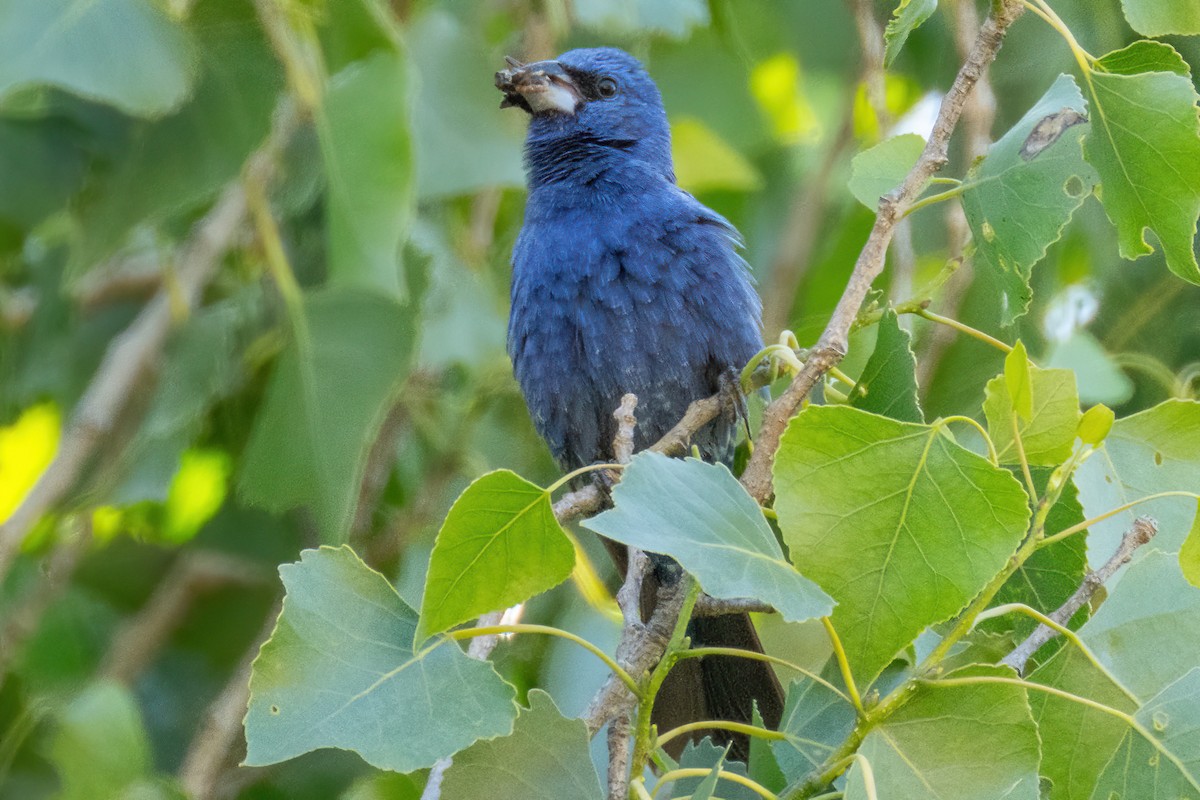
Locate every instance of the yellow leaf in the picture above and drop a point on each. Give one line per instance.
(26, 448)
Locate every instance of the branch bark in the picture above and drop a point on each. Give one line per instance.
(135, 351)
(1141, 532)
(832, 346)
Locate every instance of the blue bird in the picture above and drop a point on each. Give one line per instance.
(623, 282)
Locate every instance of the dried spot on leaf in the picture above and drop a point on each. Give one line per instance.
(1048, 131)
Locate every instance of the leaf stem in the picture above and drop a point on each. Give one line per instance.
(843, 663)
(558, 484)
(925, 313)
(700, 652)
(719, 724)
(548, 630)
(1020, 445)
(937, 198)
(993, 456)
(1067, 633)
(704, 772)
(1087, 523)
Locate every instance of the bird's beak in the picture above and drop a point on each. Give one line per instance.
(543, 86)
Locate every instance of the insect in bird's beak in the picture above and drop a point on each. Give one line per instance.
(543, 86)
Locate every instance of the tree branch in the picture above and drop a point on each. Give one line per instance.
(133, 353)
(832, 346)
(1141, 532)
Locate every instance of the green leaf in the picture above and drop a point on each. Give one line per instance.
(339, 671)
(172, 165)
(707, 755)
(325, 402)
(1156, 450)
(888, 383)
(966, 742)
(704, 161)
(1145, 632)
(1189, 554)
(673, 18)
(1018, 382)
(500, 545)
(368, 157)
(897, 522)
(878, 170)
(1020, 197)
(100, 747)
(1162, 17)
(1073, 769)
(464, 141)
(1095, 425)
(1173, 717)
(126, 53)
(908, 16)
(1145, 145)
(384, 786)
(699, 514)
(1048, 422)
(1139, 769)
(545, 758)
(1143, 56)
(764, 766)
(816, 721)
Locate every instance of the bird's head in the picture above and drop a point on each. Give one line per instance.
(602, 96)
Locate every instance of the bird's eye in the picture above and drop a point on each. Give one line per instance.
(606, 87)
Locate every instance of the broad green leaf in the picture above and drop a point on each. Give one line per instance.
(172, 165)
(339, 671)
(1048, 431)
(764, 766)
(704, 161)
(40, 167)
(464, 141)
(670, 17)
(545, 758)
(699, 514)
(1145, 632)
(888, 383)
(878, 170)
(1139, 769)
(500, 545)
(816, 721)
(325, 402)
(908, 16)
(1189, 554)
(1095, 425)
(368, 158)
(1145, 145)
(1072, 768)
(1162, 17)
(1020, 197)
(100, 748)
(126, 53)
(1144, 56)
(966, 742)
(897, 522)
(1052, 574)
(1156, 450)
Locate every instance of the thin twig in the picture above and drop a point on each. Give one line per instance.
(1141, 532)
(832, 346)
(209, 754)
(707, 606)
(134, 352)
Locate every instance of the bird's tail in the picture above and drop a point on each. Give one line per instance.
(720, 687)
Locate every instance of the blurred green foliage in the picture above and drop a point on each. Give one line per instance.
(343, 377)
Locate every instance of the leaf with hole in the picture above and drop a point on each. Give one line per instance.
(340, 671)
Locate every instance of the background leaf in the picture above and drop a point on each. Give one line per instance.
(878, 170)
(908, 16)
(888, 383)
(1048, 431)
(1160, 17)
(340, 671)
(699, 514)
(326, 400)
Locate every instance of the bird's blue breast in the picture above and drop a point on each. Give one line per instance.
(625, 285)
